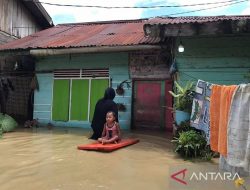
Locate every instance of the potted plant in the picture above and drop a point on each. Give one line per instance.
(120, 90)
(183, 99)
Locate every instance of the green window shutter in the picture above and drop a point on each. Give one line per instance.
(79, 100)
(98, 87)
(60, 108)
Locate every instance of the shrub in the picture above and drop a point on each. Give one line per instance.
(190, 144)
(8, 123)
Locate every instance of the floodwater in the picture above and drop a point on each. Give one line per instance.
(42, 159)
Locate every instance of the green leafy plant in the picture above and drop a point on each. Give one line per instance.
(183, 96)
(207, 154)
(184, 126)
(1, 131)
(190, 144)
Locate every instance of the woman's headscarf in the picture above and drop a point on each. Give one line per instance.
(109, 94)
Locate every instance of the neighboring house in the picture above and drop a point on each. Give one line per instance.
(217, 48)
(74, 63)
(19, 18)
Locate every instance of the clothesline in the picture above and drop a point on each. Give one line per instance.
(219, 111)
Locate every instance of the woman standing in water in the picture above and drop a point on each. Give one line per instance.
(103, 106)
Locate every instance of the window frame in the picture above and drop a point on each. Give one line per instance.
(70, 93)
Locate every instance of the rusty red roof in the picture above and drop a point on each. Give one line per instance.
(95, 34)
(193, 19)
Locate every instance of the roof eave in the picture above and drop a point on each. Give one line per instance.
(102, 49)
(222, 27)
(38, 11)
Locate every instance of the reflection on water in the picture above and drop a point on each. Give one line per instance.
(44, 159)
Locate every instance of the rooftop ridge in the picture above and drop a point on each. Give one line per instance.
(105, 22)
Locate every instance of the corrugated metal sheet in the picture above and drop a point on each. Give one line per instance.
(109, 33)
(193, 19)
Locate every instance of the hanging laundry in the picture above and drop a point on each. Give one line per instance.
(200, 109)
(223, 165)
(220, 103)
(239, 129)
(34, 83)
(215, 116)
(5, 87)
(2, 101)
(10, 85)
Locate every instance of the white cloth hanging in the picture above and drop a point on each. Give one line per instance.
(238, 154)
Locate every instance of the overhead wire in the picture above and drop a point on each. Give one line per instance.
(184, 12)
(233, 2)
(135, 7)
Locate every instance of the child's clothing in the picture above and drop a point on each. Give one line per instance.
(110, 134)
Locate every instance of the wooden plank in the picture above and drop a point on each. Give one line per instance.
(41, 107)
(16, 19)
(213, 63)
(38, 114)
(216, 42)
(220, 60)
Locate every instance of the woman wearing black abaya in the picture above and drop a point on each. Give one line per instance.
(103, 106)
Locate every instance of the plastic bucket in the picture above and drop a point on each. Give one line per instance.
(181, 116)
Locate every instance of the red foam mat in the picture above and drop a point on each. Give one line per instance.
(108, 147)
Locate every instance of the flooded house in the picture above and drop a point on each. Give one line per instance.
(19, 18)
(75, 62)
(216, 48)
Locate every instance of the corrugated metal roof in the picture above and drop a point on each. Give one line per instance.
(193, 19)
(95, 34)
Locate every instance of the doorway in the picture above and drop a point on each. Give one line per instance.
(151, 102)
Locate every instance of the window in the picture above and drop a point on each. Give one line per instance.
(75, 93)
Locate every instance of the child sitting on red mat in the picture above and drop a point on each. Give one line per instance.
(111, 132)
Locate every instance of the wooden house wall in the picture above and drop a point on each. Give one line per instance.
(16, 21)
(219, 60)
(118, 69)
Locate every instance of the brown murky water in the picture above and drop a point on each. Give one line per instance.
(42, 159)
